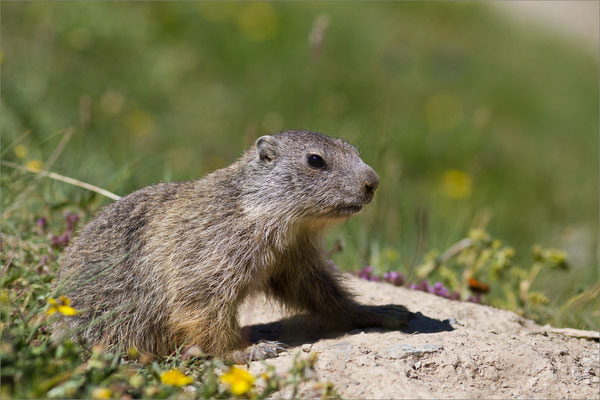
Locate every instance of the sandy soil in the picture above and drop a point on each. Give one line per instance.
(450, 350)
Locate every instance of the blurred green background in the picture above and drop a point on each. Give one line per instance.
(469, 119)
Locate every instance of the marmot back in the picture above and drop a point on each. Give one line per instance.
(170, 264)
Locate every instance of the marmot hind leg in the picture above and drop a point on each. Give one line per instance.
(218, 334)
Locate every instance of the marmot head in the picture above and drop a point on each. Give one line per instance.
(310, 175)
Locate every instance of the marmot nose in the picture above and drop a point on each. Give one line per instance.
(371, 182)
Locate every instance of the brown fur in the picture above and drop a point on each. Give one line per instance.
(169, 264)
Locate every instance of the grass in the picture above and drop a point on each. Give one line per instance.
(473, 124)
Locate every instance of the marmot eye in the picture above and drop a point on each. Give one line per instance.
(316, 161)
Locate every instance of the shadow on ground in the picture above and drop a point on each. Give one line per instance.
(304, 329)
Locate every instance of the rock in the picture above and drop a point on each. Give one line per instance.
(306, 348)
(404, 350)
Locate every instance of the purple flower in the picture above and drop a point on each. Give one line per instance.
(454, 296)
(440, 290)
(424, 286)
(60, 241)
(393, 277)
(55, 241)
(475, 299)
(42, 222)
(71, 218)
(390, 276)
(65, 238)
(365, 273)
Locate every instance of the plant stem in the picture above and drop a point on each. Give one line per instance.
(62, 178)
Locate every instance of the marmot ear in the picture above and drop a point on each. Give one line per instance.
(265, 147)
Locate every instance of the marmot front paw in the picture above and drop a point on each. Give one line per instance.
(388, 317)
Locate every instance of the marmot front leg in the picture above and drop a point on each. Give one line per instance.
(319, 290)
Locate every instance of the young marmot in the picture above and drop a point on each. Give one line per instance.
(170, 264)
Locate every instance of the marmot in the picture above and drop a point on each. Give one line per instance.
(169, 265)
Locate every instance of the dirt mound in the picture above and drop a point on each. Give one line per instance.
(450, 350)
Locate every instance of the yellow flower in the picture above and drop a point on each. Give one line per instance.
(140, 123)
(136, 380)
(35, 165)
(557, 256)
(175, 378)
(258, 20)
(478, 234)
(20, 151)
(62, 305)
(239, 380)
(133, 353)
(457, 184)
(537, 298)
(101, 393)
(391, 254)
